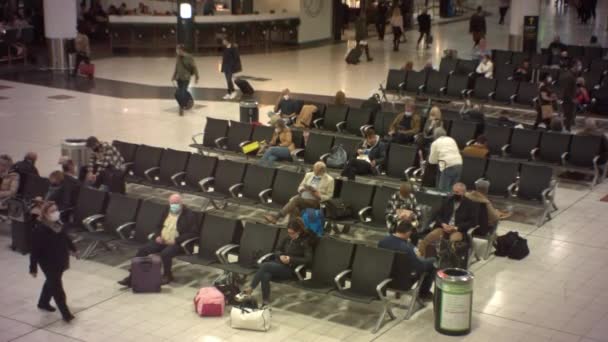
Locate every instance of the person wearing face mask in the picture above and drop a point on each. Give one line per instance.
(371, 155)
(179, 226)
(292, 251)
(287, 108)
(231, 64)
(546, 103)
(9, 180)
(316, 187)
(406, 125)
(185, 68)
(567, 83)
(56, 192)
(457, 215)
(280, 146)
(51, 248)
(402, 207)
(434, 121)
(106, 166)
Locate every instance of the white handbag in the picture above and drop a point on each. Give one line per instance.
(250, 319)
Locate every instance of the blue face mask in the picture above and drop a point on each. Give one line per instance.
(175, 208)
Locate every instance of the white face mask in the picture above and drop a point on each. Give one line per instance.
(285, 97)
(54, 216)
(408, 114)
(277, 130)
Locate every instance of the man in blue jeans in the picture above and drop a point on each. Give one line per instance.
(445, 152)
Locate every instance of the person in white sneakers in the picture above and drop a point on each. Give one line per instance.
(231, 64)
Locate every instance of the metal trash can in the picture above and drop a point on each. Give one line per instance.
(453, 301)
(76, 150)
(249, 111)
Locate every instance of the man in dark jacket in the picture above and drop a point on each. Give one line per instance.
(454, 219)
(370, 157)
(477, 26)
(567, 83)
(231, 64)
(381, 12)
(424, 27)
(361, 36)
(179, 226)
(184, 70)
(26, 167)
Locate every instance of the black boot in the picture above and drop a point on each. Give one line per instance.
(125, 282)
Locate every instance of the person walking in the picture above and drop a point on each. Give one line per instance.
(361, 36)
(396, 24)
(231, 64)
(477, 26)
(83, 50)
(381, 13)
(51, 248)
(185, 68)
(424, 27)
(502, 9)
(567, 82)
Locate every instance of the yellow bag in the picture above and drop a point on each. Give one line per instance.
(251, 147)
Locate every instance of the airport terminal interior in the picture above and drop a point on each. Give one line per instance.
(559, 292)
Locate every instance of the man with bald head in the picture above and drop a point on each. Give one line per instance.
(316, 187)
(179, 226)
(457, 215)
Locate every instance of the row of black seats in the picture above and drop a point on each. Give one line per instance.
(369, 270)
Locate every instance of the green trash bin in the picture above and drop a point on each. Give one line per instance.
(453, 301)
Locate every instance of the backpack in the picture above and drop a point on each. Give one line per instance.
(336, 209)
(511, 245)
(228, 285)
(337, 157)
(314, 221)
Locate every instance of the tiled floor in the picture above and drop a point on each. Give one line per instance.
(558, 293)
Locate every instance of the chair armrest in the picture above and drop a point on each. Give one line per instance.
(186, 243)
(234, 188)
(381, 288)
(219, 142)
(299, 270)
(264, 194)
(88, 222)
(408, 172)
(264, 258)
(205, 182)
(470, 142)
(340, 126)
(338, 280)
(317, 122)
(469, 92)
(243, 143)
(324, 156)
(401, 85)
(175, 177)
(505, 149)
(122, 227)
(533, 153)
(471, 74)
(196, 136)
(512, 189)
(222, 253)
(491, 95)
(442, 90)
(512, 98)
(148, 173)
(295, 153)
(362, 214)
(364, 128)
(564, 157)
(128, 165)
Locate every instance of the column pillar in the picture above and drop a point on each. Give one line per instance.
(519, 9)
(60, 19)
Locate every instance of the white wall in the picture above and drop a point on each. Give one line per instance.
(264, 6)
(318, 27)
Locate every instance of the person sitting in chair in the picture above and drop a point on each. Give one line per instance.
(406, 125)
(402, 206)
(287, 108)
(179, 226)
(370, 157)
(480, 196)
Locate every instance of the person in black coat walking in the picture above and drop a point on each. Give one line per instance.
(477, 26)
(381, 15)
(51, 248)
(231, 64)
(424, 27)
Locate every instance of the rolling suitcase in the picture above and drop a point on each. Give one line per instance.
(244, 86)
(145, 274)
(354, 55)
(184, 98)
(21, 234)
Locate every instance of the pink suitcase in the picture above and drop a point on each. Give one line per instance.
(209, 302)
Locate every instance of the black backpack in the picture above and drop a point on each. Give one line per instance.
(511, 245)
(336, 209)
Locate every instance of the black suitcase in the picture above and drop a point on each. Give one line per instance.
(184, 98)
(354, 55)
(244, 86)
(21, 234)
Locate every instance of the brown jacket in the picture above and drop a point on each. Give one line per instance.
(415, 129)
(284, 139)
(9, 185)
(476, 150)
(478, 197)
(305, 117)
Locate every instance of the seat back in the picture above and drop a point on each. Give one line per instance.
(501, 174)
(349, 144)
(172, 162)
(448, 65)
(214, 129)
(465, 67)
(403, 273)
(553, 145)
(383, 121)
(394, 79)
(504, 72)
(317, 145)
(483, 88)
(262, 133)
(218, 231)
(538, 60)
(357, 195)
(146, 158)
(258, 239)
(505, 89)
(472, 169)
(519, 57)
(238, 132)
(257, 178)
(370, 267)
(599, 66)
(456, 84)
(121, 209)
(400, 157)
(592, 79)
(594, 52)
(334, 114)
(575, 51)
(436, 80)
(498, 137)
(358, 117)
(463, 131)
(523, 141)
(331, 257)
(150, 219)
(526, 93)
(285, 186)
(297, 137)
(584, 149)
(533, 180)
(433, 203)
(90, 202)
(501, 57)
(199, 167)
(34, 186)
(381, 197)
(228, 173)
(415, 79)
(127, 150)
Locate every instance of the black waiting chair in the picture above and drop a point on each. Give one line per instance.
(519, 57)
(34, 186)
(401, 161)
(126, 150)
(331, 257)
(593, 80)
(506, 91)
(395, 80)
(575, 51)
(466, 67)
(430, 203)
(356, 195)
(285, 186)
(350, 145)
(526, 94)
(502, 175)
(553, 148)
(172, 164)
(228, 175)
(415, 81)
(499, 138)
(436, 83)
(585, 156)
(383, 121)
(262, 133)
(357, 120)
(484, 88)
(334, 116)
(238, 135)
(594, 52)
(457, 86)
(374, 216)
(448, 65)
(472, 169)
(523, 141)
(599, 66)
(90, 203)
(369, 277)
(147, 160)
(215, 131)
(536, 183)
(257, 179)
(199, 167)
(217, 233)
(464, 132)
(538, 60)
(317, 147)
(504, 72)
(501, 57)
(148, 223)
(484, 231)
(257, 240)
(407, 280)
